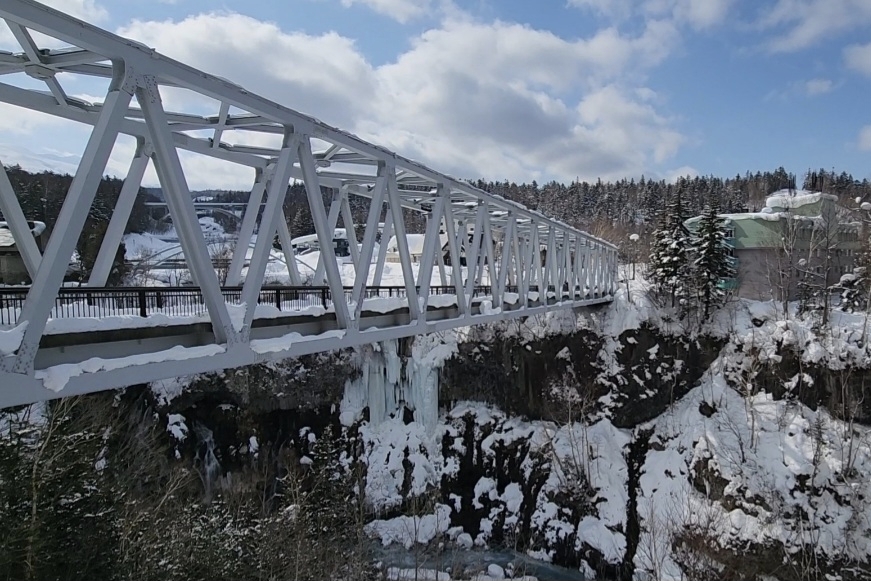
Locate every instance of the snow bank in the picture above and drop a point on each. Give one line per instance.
(408, 530)
(10, 340)
(774, 460)
(56, 378)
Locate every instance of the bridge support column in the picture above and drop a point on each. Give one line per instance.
(507, 256)
(324, 233)
(376, 205)
(431, 245)
(17, 223)
(395, 203)
(73, 215)
(454, 251)
(246, 229)
(178, 196)
(121, 215)
(332, 222)
(272, 214)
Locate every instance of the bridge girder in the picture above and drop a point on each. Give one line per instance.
(503, 240)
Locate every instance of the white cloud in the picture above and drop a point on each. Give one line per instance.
(325, 75)
(702, 14)
(88, 10)
(815, 87)
(699, 14)
(864, 141)
(612, 8)
(490, 100)
(685, 171)
(472, 99)
(858, 58)
(800, 24)
(400, 10)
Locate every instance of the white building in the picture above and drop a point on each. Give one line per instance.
(415, 247)
(309, 243)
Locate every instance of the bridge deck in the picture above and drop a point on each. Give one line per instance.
(81, 358)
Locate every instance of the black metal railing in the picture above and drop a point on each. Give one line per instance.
(86, 302)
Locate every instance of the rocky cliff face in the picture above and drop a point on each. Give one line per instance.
(643, 453)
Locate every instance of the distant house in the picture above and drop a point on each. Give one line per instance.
(309, 243)
(12, 268)
(415, 248)
(798, 235)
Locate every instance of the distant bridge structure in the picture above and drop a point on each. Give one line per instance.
(56, 341)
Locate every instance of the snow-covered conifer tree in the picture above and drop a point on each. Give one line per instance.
(669, 255)
(712, 265)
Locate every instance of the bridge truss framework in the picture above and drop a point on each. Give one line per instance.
(518, 248)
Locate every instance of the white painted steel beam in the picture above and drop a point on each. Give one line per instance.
(184, 217)
(246, 229)
(120, 215)
(17, 224)
(272, 215)
(71, 219)
(324, 233)
(472, 220)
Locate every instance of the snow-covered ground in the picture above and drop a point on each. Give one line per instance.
(727, 464)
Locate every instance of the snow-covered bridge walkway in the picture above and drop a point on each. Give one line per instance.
(532, 263)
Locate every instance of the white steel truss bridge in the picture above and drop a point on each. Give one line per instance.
(490, 258)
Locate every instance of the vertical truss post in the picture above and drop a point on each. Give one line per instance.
(272, 214)
(552, 258)
(17, 223)
(566, 267)
(558, 268)
(332, 221)
(473, 259)
(516, 264)
(490, 255)
(431, 243)
(350, 232)
(121, 215)
(172, 179)
(594, 269)
(246, 229)
(324, 233)
(287, 249)
(386, 234)
(395, 204)
(535, 252)
(223, 112)
(577, 285)
(462, 232)
(454, 252)
(529, 264)
(440, 256)
(74, 212)
(376, 205)
(507, 256)
(613, 272)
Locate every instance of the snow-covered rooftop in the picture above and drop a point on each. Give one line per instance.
(777, 204)
(415, 243)
(338, 234)
(6, 239)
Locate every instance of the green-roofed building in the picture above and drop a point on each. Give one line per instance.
(798, 236)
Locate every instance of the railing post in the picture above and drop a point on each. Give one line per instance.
(324, 296)
(143, 311)
(278, 298)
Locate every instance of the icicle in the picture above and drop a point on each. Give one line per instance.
(382, 388)
(206, 460)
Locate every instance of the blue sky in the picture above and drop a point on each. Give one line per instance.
(522, 90)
